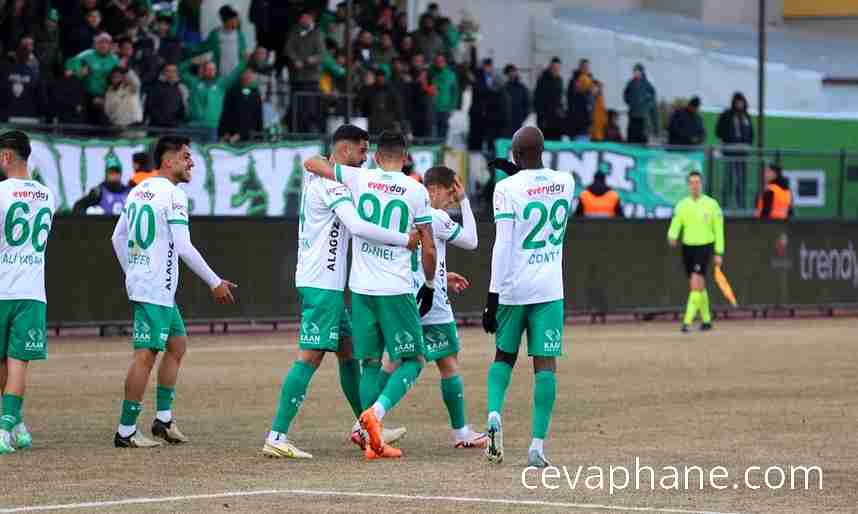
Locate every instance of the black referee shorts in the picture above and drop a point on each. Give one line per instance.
(696, 258)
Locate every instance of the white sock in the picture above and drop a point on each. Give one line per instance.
(164, 415)
(379, 410)
(356, 426)
(494, 415)
(126, 430)
(462, 433)
(536, 444)
(274, 435)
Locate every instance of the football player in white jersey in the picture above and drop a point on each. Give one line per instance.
(531, 209)
(386, 315)
(151, 235)
(26, 210)
(327, 218)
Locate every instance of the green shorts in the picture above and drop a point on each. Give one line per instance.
(324, 319)
(544, 325)
(440, 341)
(389, 323)
(23, 330)
(154, 325)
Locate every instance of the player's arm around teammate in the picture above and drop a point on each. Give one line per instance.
(699, 222)
(27, 208)
(152, 234)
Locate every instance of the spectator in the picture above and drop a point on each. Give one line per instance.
(400, 29)
(579, 101)
(207, 93)
(242, 109)
(140, 51)
(451, 37)
(548, 101)
(166, 102)
(48, 46)
(167, 46)
(143, 168)
(599, 125)
(226, 43)
(736, 133)
(337, 30)
(407, 49)
(116, 16)
(72, 18)
(418, 60)
(640, 96)
(109, 196)
(613, 134)
(426, 39)
(17, 18)
(362, 49)
(82, 36)
(384, 53)
(518, 98)
(93, 66)
(67, 98)
(420, 103)
(599, 200)
(20, 88)
(433, 11)
(775, 203)
(25, 54)
(305, 50)
(189, 18)
(447, 97)
(122, 103)
(381, 104)
(332, 69)
(266, 75)
(487, 114)
(686, 126)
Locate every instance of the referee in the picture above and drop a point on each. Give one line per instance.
(698, 217)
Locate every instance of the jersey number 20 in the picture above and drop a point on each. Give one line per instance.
(135, 223)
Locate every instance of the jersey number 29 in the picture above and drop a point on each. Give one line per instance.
(558, 223)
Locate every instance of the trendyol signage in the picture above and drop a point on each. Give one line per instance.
(829, 264)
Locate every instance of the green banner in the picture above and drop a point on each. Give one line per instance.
(257, 180)
(649, 182)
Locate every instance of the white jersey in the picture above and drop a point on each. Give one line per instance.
(539, 203)
(323, 240)
(26, 212)
(152, 273)
(393, 201)
(444, 230)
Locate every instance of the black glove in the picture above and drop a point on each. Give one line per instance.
(424, 299)
(490, 321)
(508, 167)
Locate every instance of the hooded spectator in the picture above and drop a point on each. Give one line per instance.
(686, 126)
(447, 95)
(426, 39)
(242, 109)
(736, 132)
(640, 96)
(122, 103)
(305, 50)
(107, 198)
(599, 200)
(548, 101)
(579, 101)
(166, 99)
(518, 98)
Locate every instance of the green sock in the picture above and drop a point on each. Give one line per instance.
(130, 411)
(383, 378)
(705, 313)
(400, 382)
(453, 392)
(692, 307)
(369, 383)
(350, 382)
(11, 411)
(292, 395)
(544, 390)
(164, 397)
(498, 381)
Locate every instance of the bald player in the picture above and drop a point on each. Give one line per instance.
(531, 209)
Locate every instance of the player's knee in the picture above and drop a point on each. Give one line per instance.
(414, 362)
(345, 352)
(507, 358)
(448, 366)
(544, 364)
(145, 358)
(312, 358)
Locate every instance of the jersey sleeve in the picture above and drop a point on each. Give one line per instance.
(718, 228)
(444, 227)
(423, 214)
(347, 175)
(502, 204)
(334, 193)
(675, 223)
(177, 211)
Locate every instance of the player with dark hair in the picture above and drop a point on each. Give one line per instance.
(531, 210)
(27, 208)
(699, 219)
(151, 235)
(386, 315)
(327, 218)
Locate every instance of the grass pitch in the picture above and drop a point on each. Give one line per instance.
(751, 393)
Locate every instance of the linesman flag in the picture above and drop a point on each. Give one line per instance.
(724, 285)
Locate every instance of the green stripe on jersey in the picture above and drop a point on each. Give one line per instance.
(177, 222)
(339, 201)
(424, 219)
(455, 232)
(505, 216)
(338, 174)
